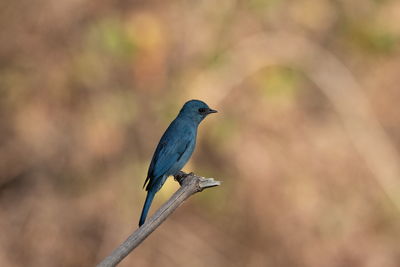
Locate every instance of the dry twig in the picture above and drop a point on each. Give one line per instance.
(190, 184)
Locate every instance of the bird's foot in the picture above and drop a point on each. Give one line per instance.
(180, 176)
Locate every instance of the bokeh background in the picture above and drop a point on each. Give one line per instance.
(306, 141)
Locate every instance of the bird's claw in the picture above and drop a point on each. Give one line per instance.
(180, 176)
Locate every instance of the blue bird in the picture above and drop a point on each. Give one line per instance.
(174, 149)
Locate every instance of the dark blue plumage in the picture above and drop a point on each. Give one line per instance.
(174, 149)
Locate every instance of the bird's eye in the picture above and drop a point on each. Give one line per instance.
(202, 110)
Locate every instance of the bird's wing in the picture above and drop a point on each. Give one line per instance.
(170, 149)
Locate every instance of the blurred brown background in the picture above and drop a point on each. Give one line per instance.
(306, 140)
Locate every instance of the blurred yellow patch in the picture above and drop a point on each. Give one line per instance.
(277, 83)
(146, 30)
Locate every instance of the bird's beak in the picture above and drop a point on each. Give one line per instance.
(211, 111)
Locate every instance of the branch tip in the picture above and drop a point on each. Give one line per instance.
(208, 182)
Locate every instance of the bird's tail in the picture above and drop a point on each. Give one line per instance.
(146, 207)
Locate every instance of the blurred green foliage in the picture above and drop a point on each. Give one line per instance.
(279, 82)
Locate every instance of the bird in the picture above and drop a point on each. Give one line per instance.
(174, 149)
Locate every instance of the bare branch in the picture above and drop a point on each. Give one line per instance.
(190, 184)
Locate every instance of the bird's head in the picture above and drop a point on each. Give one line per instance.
(196, 110)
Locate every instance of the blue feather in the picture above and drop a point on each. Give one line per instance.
(146, 207)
